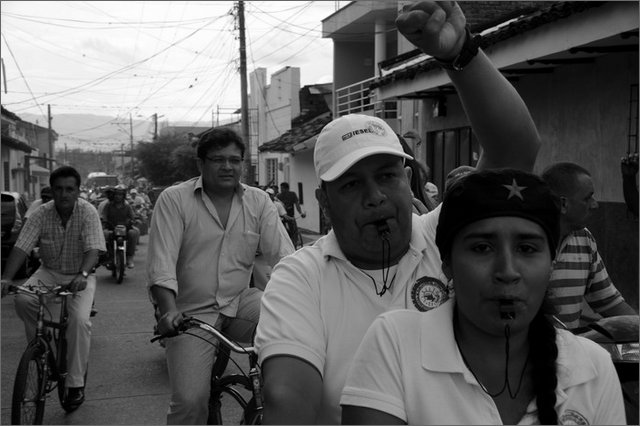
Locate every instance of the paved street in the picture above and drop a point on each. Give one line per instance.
(127, 381)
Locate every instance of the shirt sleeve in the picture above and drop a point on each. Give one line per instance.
(609, 408)
(94, 236)
(165, 237)
(30, 232)
(600, 293)
(291, 323)
(374, 378)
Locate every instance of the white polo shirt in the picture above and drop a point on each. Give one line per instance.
(409, 366)
(318, 306)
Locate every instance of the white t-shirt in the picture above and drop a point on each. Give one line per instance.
(318, 306)
(409, 366)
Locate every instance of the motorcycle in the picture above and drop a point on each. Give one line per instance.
(118, 263)
(619, 336)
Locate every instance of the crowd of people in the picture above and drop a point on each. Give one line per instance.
(456, 308)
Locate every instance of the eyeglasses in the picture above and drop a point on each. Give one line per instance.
(221, 161)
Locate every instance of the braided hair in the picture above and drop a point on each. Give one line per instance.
(544, 352)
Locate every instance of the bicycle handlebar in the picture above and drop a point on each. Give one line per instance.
(59, 290)
(190, 322)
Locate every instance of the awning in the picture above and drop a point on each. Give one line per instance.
(38, 171)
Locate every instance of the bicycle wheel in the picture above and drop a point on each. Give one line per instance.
(27, 405)
(299, 243)
(228, 400)
(119, 266)
(252, 416)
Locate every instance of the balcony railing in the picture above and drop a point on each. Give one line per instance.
(358, 98)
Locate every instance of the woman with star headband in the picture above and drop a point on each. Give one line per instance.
(491, 354)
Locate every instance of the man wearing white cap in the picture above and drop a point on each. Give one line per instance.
(378, 256)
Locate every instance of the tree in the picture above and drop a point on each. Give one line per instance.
(166, 160)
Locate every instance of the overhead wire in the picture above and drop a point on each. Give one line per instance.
(21, 73)
(127, 67)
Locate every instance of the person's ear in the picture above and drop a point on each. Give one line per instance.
(200, 164)
(564, 205)
(409, 172)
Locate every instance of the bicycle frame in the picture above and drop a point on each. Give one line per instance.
(221, 383)
(51, 362)
(254, 373)
(48, 330)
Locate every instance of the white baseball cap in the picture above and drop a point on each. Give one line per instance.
(270, 191)
(350, 138)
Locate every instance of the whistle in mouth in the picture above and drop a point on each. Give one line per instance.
(507, 311)
(383, 229)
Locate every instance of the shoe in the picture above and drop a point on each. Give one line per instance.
(130, 264)
(75, 396)
(94, 311)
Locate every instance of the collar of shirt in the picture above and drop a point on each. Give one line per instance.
(418, 243)
(574, 365)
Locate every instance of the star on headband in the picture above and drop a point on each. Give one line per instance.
(515, 190)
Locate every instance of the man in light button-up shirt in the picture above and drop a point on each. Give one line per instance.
(202, 245)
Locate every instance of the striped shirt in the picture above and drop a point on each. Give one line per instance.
(578, 276)
(62, 248)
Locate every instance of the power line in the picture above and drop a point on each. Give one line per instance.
(21, 73)
(127, 67)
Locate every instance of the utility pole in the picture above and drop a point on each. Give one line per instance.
(122, 159)
(50, 137)
(155, 127)
(131, 140)
(249, 179)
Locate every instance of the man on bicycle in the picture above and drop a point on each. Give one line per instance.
(290, 201)
(70, 238)
(203, 240)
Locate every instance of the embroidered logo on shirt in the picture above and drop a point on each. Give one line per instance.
(428, 293)
(572, 417)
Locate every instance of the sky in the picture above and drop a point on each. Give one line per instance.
(177, 59)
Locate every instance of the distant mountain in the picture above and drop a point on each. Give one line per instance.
(90, 132)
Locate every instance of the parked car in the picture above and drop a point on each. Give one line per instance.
(14, 207)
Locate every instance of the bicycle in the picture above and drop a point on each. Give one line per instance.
(43, 366)
(245, 390)
(294, 232)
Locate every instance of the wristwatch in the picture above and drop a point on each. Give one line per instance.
(85, 274)
(467, 53)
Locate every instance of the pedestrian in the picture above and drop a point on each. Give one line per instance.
(418, 176)
(378, 257)
(205, 233)
(491, 354)
(579, 274)
(282, 212)
(70, 238)
(45, 197)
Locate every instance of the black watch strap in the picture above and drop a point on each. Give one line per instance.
(467, 53)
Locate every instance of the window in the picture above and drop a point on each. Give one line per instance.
(272, 171)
